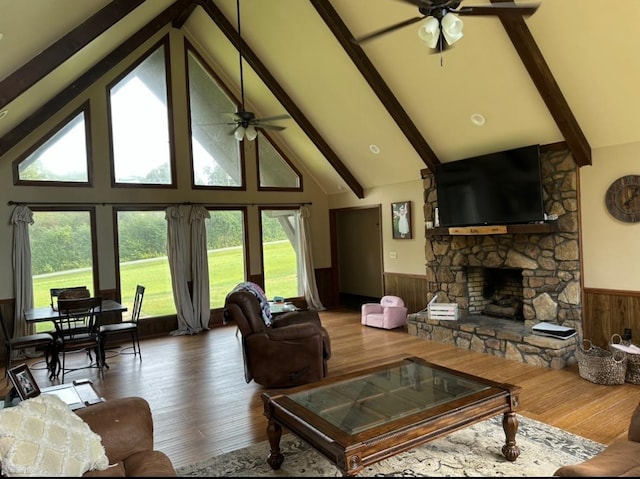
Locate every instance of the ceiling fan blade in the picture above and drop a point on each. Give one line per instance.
(505, 8)
(266, 126)
(415, 3)
(231, 123)
(389, 29)
(275, 118)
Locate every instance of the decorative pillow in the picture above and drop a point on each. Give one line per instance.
(43, 437)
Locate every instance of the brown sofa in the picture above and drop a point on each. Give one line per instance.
(126, 428)
(292, 352)
(620, 458)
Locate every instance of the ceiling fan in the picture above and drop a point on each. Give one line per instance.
(245, 121)
(442, 28)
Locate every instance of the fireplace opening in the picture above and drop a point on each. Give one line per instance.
(495, 292)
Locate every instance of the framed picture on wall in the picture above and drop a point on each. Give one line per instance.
(401, 220)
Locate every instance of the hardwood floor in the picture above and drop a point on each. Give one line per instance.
(202, 405)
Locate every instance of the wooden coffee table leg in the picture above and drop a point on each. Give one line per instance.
(510, 426)
(274, 432)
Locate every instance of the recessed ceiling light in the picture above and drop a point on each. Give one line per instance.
(477, 119)
(3, 113)
(375, 149)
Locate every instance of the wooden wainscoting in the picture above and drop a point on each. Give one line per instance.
(411, 288)
(606, 312)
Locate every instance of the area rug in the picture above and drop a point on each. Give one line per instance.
(471, 452)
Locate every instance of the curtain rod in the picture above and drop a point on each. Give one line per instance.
(111, 203)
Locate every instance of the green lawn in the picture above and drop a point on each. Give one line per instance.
(225, 271)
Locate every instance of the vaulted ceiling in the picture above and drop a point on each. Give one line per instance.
(568, 73)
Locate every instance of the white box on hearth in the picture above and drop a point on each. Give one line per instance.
(442, 311)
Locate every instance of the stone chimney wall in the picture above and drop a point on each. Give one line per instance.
(550, 262)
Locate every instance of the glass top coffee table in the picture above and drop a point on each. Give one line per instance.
(362, 418)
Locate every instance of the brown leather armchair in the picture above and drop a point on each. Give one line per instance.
(125, 426)
(620, 458)
(293, 351)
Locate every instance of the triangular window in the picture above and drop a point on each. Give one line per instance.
(274, 169)
(60, 157)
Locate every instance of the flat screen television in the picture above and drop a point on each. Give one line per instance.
(495, 189)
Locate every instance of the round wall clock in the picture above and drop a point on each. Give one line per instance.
(623, 198)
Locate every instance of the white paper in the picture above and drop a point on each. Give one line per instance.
(549, 327)
(68, 395)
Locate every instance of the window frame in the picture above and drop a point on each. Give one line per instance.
(190, 49)
(245, 234)
(85, 109)
(116, 243)
(165, 44)
(284, 157)
(94, 243)
(262, 208)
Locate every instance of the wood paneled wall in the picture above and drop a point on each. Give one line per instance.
(411, 288)
(606, 312)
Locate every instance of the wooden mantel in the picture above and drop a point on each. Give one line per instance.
(546, 227)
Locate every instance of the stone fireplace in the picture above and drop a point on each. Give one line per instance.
(506, 283)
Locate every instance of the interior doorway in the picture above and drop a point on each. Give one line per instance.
(356, 252)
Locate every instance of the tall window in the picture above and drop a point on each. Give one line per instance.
(61, 253)
(226, 237)
(280, 237)
(215, 151)
(142, 254)
(61, 156)
(139, 121)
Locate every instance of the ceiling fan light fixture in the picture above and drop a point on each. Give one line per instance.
(251, 133)
(429, 32)
(451, 28)
(239, 133)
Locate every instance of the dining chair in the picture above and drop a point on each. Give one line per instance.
(39, 342)
(108, 331)
(68, 292)
(76, 330)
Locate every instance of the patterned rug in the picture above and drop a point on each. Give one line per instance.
(471, 452)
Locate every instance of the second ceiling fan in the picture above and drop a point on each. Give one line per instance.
(442, 27)
(245, 121)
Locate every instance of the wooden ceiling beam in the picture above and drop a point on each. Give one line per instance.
(56, 54)
(543, 79)
(13, 137)
(376, 82)
(261, 70)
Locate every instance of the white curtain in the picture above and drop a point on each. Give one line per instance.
(21, 218)
(178, 255)
(305, 260)
(200, 267)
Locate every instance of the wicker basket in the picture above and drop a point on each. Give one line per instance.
(632, 353)
(599, 365)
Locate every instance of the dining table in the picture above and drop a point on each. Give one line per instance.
(48, 313)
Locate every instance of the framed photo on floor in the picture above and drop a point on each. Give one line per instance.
(23, 381)
(401, 220)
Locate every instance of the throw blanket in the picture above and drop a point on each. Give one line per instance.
(258, 293)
